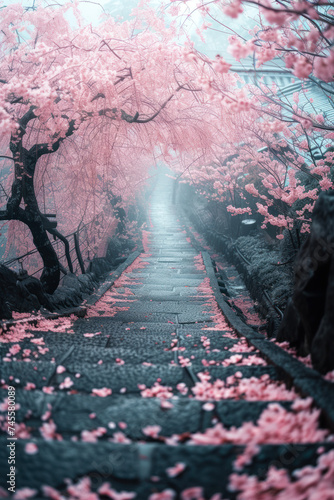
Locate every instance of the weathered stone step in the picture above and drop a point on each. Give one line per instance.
(192, 344)
(112, 326)
(175, 260)
(222, 372)
(160, 274)
(161, 270)
(77, 412)
(166, 307)
(167, 295)
(94, 354)
(92, 376)
(161, 317)
(155, 355)
(189, 253)
(213, 358)
(143, 317)
(184, 289)
(176, 279)
(135, 467)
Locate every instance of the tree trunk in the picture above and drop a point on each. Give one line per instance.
(51, 272)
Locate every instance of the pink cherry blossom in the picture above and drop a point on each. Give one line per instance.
(120, 437)
(48, 390)
(151, 430)
(157, 390)
(176, 470)
(48, 431)
(167, 494)
(29, 386)
(103, 392)
(66, 384)
(308, 482)
(52, 493)
(14, 349)
(31, 448)
(24, 493)
(106, 490)
(194, 493)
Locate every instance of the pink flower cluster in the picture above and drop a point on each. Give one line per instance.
(307, 483)
(93, 435)
(239, 359)
(156, 391)
(275, 425)
(82, 490)
(237, 387)
(193, 493)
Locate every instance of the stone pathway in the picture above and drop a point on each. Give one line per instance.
(152, 394)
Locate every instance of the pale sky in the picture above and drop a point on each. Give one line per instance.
(216, 36)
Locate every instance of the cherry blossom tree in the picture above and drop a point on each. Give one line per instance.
(266, 163)
(300, 33)
(262, 165)
(81, 111)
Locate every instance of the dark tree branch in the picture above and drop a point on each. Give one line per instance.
(7, 157)
(55, 232)
(39, 150)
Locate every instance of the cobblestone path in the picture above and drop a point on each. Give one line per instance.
(152, 394)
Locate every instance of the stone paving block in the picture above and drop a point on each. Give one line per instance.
(187, 290)
(161, 272)
(150, 288)
(197, 317)
(57, 460)
(177, 280)
(185, 416)
(106, 325)
(175, 274)
(129, 355)
(210, 466)
(187, 253)
(170, 295)
(58, 339)
(94, 376)
(18, 373)
(55, 350)
(73, 413)
(166, 307)
(143, 316)
(235, 413)
(207, 466)
(222, 372)
(141, 342)
(193, 343)
(215, 358)
(178, 259)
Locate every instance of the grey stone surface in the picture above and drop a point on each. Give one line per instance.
(168, 307)
(18, 373)
(130, 355)
(73, 413)
(247, 371)
(94, 376)
(145, 317)
(57, 460)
